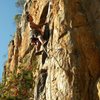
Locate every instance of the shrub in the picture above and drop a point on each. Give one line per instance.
(17, 18)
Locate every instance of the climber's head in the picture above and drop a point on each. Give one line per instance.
(29, 17)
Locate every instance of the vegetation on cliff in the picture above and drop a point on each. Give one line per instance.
(69, 66)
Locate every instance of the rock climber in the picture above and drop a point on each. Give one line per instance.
(35, 32)
(36, 36)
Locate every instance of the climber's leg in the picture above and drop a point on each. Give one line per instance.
(41, 39)
(38, 45)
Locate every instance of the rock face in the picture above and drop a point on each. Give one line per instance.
(69, 67)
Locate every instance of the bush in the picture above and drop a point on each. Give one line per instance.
(18, 87)
(17, 18)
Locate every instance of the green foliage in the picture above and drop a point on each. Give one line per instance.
(1, 87)
(17, 18)
(18, 86)
(20, 3)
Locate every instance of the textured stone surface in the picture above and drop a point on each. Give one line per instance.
(73, 62)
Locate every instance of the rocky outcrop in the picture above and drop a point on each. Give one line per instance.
(69, 67)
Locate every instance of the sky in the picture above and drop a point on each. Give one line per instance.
(8, 10)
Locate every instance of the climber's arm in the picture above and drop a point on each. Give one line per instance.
(40, 25)
(33, 25)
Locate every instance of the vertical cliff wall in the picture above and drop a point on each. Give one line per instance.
(69, 67)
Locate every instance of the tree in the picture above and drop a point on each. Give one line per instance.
(17, 18)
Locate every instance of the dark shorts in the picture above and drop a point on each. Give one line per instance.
(34, 39)
(35, 32)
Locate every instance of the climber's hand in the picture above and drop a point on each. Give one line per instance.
(45, 23)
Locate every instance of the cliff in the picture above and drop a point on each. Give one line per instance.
(69, 66)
